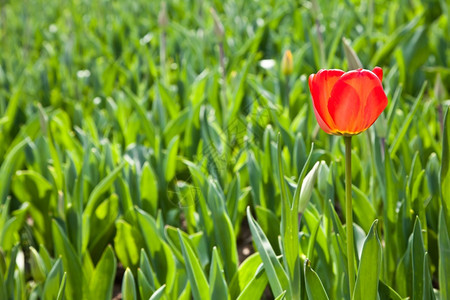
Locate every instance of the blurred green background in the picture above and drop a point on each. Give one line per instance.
(134, 134)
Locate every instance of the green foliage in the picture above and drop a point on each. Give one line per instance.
(138, 138)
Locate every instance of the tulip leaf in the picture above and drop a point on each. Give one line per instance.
(250, 280)
(101, 188)
(37, 266)
(281, 296)
(128, 286)
(401, 134)
(393, 41)
(197, 278)
(314, 286)
(102, 280)
(428, 293)
(224, 232)
(275, 273)
(417, 258)
(170, 159)
(444, 256)
(53, 281)
(149, 189)
(145, 289)
(266, 218)
(127, 244)
(219, 289)
(146, 123)
(8, 166)
(76, 282)
(158, 250)
(290, 220)
(366, 285)
(386, 292)
(445, 165)
(62, 288)
(159, 293)
(363, 209)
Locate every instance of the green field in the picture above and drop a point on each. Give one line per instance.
(154, 150)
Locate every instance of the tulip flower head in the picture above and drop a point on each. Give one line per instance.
(347, 103)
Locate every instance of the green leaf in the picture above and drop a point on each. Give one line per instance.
(162, 259)
(277, 277)
(402, 132)
(102, 281)
(159, 293)
(53, 281)
(149, 189)
(128, 286)
(145, 289)
(100, 189)
(444, 256)
(290, 221)
(281, 296)
(8, 166)
(248, 279)
(363, 209)
(445, 165)
(366, 286)
(170, 159)
(217, 283)
(199, 284)
(417, 258)
(10, 229)
(313, 284)
(266, 219)
(8, 283)
(146, 123)
(37, 266)
(224, 233)
(312, 239)
(76, 282)
(127, 244)
(30, 186)
(255, 287)
(386, 292)
(396, 37)
(428, 293)
(62, 288)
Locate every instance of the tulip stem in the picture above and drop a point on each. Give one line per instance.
(349, 213)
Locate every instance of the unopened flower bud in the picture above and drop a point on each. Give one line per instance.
(218, 26)
(439, 89)
(37, 266)
(287, 63)
(352, 58)
(163, 18)
(381, 126)
(307, 188)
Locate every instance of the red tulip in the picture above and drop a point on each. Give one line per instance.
(347, 103)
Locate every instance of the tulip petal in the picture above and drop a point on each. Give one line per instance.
(344, 107)
(356, 101)
(376, 102)
(321, 85)
(379, 72)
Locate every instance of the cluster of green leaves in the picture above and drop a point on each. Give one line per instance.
(125, 146)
